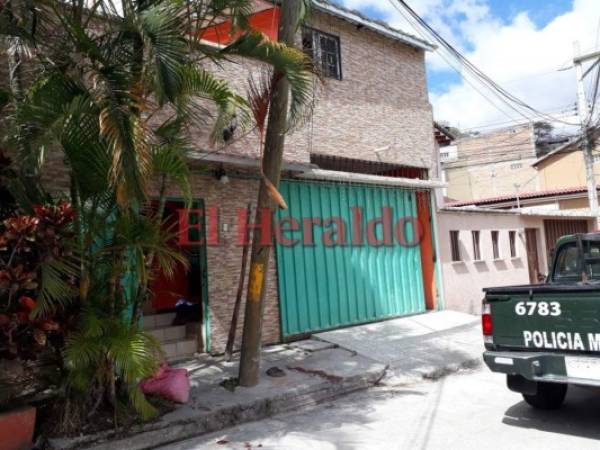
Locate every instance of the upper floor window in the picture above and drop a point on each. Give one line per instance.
(324, 49)
(455, 246)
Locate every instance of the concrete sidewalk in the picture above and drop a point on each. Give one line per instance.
(422, 346)
(334, 363)
(313, 371)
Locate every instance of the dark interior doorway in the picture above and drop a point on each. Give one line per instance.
(188, 284)
(533, 263)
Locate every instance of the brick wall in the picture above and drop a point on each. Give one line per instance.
(489, 165)
(380, 102)
(512, 143)
(492, 179)
(224, 261)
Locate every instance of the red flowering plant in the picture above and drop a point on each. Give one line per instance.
(36, 279)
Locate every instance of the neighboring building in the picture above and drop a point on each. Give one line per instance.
(564, 167)
(491, 164)
(482, 248)
(368, 144)
(575, 198)
(444, 150)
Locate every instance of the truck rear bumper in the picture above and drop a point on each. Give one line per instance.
(548, 367)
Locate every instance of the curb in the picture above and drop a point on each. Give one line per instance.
(441, 372)
(153, 435)
(430, 373)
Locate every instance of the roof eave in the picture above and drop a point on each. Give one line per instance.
(374, 26)
(562, 149)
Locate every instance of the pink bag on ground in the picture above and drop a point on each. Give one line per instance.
(171, 384)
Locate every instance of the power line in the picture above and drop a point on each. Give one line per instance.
(564, 110)
(458, 71)
(537, 75)
(506, 97)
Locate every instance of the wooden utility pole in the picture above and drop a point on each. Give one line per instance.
(291, 11)
(586, 142)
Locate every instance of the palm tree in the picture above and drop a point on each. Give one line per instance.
(116, 91)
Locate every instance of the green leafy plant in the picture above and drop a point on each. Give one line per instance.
(118, 92)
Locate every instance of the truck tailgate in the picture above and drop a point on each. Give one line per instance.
(562, 319)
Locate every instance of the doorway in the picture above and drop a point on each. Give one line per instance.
(531, 245)
(181, 300)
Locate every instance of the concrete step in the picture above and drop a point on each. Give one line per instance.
(168, 333)
(158, 320)
(180, 348)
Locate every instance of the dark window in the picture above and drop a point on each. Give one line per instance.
(495, 248)
(512, 242)
(568, 262)
(455, 246)
(476, 248)
(324, 50)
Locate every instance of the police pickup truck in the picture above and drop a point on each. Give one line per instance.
(547, 336)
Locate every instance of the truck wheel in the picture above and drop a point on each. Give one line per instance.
(548, 396)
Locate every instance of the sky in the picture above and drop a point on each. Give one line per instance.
(526, 46)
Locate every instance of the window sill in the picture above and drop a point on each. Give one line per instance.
(458, 263)
(498, 259)
(515, 258)
(479, 261)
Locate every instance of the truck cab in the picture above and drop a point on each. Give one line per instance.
(545, 337)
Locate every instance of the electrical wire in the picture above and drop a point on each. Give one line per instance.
(464, 77)
(516, 104)
(564, 110)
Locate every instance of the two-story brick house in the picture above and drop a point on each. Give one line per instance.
(363, 158)
(359, 170)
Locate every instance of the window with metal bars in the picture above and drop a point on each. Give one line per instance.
(512, 243)
(476, 246)
(495, 247)
(455, 245)
(324, 50)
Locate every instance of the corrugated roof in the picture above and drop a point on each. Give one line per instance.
(521, 196)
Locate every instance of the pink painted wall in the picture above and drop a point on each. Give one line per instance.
(464, 281)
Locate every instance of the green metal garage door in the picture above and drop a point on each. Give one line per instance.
(325, 282)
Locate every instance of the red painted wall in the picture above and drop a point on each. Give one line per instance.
(427, 251)
(266, 21)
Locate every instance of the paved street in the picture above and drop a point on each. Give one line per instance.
(468, 410)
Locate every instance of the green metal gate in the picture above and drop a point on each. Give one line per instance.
(323, 286)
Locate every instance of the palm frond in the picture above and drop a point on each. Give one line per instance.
(43, 106)
(260, 93)
(138, 400)
(294, 64)
(170, 160)
(162, 29)
(201, 84)
(56, 290)
(87, 153)
(81, 352)
(127, 138)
